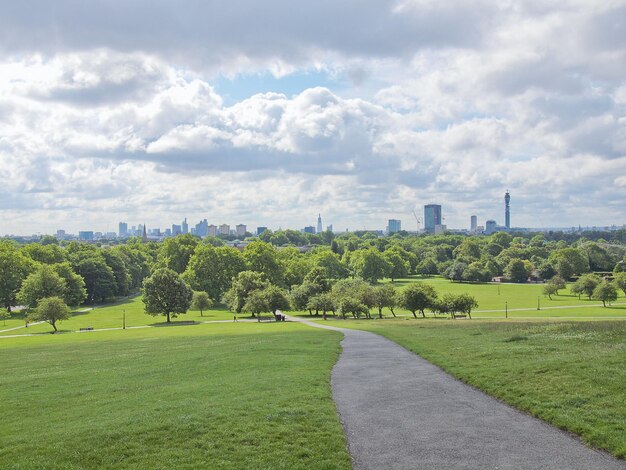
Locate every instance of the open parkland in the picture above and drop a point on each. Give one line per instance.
(120, 389)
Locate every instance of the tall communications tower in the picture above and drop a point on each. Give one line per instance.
(507, 210)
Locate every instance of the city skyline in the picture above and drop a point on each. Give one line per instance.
(433, 221)
(268, 121)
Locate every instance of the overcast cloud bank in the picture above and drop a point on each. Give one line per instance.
(109, 112)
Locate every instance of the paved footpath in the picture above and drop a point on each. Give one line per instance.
(401, 412)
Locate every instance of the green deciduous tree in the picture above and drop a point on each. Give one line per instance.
(356, 289)
(427, 267)
(165, 293)
(42, 283)
(324, 302)
(120, 271)
(517, 270)
(502, 238)
(476, 272)
(212, 270)
(46, 254)
(137, 261)
(550, 289)
(350, 305)
(255, 304)
(201, 301)
(385, 296)
(455, 271)
(75, 292)
(295, 266)
(370, 265)
(318, 277)
(598, 258)
(301, 295)
(586, 285)
(14, 267)
(276, 299)
(620, 281)
(99, 277)
(569, 261)
(51, 310)
(263, 258)
(245, 283)
(468, 251)
(399, 268)
(606, 292)
(417, 297)
(331, 262)
(465, 303)
(175, 252)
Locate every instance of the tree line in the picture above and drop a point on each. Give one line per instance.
(79, 273)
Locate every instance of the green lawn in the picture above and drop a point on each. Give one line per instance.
(242, 395)
(111, 316)
(571, 374)
(521, 300)
(501, 296)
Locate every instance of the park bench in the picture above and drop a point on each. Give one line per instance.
(459, 315)
(276, 317)
(88, 328)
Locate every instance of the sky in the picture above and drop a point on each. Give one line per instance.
(268, 113)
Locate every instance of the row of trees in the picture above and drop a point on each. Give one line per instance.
(253, 294)
(86, 273)
(166, 293)
(590, 285)
(77, 273)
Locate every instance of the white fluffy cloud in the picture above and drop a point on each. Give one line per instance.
(118, 117)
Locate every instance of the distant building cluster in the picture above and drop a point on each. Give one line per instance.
(433, 223)
(201, 229)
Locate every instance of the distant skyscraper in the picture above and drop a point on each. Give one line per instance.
(309, 229)
(319, 223)
(393, 226)
(85, 235)
(202, 228)
(241, 230)
(507, 211)
(329, 228)
(432, 217)
(224, 229)
(260, 230)
(176, 230)
(123, 229)
(185, 227)
(473, 224)
(212, 230)
(491, 227)
(144, 236)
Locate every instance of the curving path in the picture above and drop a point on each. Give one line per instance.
(401, 412)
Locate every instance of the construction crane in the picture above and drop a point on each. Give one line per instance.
(417, 221)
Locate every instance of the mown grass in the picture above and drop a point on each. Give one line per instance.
(204, 396)
(497, 300)
(502, 296)
(570, 374)
(111, 316)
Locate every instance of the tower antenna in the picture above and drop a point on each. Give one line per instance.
(507, 210)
